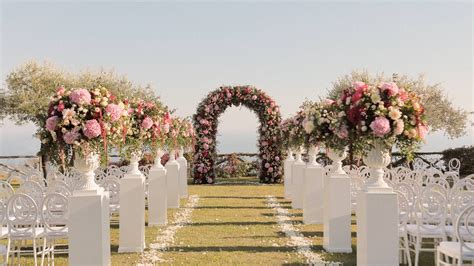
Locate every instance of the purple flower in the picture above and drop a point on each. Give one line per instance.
(71, 136)
(92, 129)
(80, 96)
(51, 123)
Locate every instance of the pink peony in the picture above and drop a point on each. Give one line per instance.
(390, 87)
(71, 136)
(114, 111)
(147, 123)
(51, 123)
(80, 96)
(380, 126)
(92, 129)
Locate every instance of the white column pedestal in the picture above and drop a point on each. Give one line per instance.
(89, 228)
(297, 190)
(288, 180)
(313, 195)
(377, 228)
(132, 213)
(337, 214)
(157, 207)
(172, 184)
(183, 177)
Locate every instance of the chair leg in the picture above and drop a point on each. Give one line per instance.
(8, 251)
(44, 250)
(52, 252)
(34, 251)
(407, 250)
(417, 249)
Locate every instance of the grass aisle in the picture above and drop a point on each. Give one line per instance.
(233, 225)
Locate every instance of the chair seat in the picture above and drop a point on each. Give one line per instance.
(3, 232)
(39, 232)
(451, 232)
(453, 249)
(426, 231)
(58, 232)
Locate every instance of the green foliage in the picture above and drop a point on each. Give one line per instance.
(466, 157)
(441, 114)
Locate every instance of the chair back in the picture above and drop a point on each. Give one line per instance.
(34, 190)
(55, 213)
(431, 209)
(454, 165)
(466, 221)
(112, 185)
(6, 191)
(22, 216)
(59, 187)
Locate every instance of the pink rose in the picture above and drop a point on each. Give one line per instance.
(390, 87)
(342, 133)
(80, 96)
(254, 97)
(60, 107)
(399, 127)
(267, 165)
(380, 126)
(422, 131)
(60, 90)
(147, 123)
(51, 123)
(92, 129)
(114, 111)
(270, 170)
(359, 86)
(71, 136)
(206, 146)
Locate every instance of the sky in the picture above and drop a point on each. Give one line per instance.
(292, 50)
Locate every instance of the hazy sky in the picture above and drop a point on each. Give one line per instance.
(291, 50)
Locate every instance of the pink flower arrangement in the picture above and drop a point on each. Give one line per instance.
(80, 96)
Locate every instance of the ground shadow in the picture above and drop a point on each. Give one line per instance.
(234, 197)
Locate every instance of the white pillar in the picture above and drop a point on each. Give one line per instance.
(313, 191)
(297, 176)
(89, 228)
(377, 228)
(337, 208)
(172, 182)
(132, 210)
(287, 171)
(377, 214)
(157, 208)
(183, 174)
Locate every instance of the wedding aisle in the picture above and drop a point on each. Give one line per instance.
(235, 224)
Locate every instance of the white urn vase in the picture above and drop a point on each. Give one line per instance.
(159, 154)
(85, 166)
(134, 159)
(377, 159)
(313, 152)
(299, 157)
(336, 157)
(290, 155)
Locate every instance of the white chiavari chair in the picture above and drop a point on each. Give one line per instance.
(54, 216)
(404, 210)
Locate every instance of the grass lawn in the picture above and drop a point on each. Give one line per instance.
(232, 224)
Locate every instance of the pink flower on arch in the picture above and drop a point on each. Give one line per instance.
(51, 123)
(80, 96)
(380, 126)
(92, 129)
(147, 123)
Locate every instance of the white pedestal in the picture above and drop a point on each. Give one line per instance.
(313, 195)
(132, 213)
(297, 190)
(337, 214)
(89, 228)
(288, 180)
(183, 177)
(377, 228)
(157, 208)
(172, 184)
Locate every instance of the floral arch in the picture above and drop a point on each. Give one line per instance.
(206, 122)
